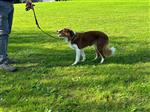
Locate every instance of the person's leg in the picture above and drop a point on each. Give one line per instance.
(5, 11)
(10, 21)
(10, 18)
(3, 47)
(3, 31)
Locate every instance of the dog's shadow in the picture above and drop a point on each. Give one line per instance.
(51, 57)
(63, 58)
(132, 58)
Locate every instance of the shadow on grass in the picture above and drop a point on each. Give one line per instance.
(32, 37)
(57, 92)
(52, 57)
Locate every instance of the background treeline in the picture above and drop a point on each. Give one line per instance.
(22, 1)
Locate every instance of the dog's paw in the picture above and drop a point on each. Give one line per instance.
(83, 60)
(95, 58)
(73, 64)
(102, 60)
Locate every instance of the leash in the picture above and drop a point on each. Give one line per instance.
(38, 26)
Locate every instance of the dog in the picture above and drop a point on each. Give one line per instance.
(79, 41)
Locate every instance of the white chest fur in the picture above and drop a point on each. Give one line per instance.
(73, 46)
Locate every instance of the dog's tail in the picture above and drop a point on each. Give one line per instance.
(109, 51)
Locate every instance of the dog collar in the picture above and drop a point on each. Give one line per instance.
(73, 37)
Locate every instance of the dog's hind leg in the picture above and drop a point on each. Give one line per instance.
(99, 51)
(83, 56)
(97, 54)
(102, 58)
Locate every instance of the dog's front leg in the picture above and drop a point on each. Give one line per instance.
(78, 54)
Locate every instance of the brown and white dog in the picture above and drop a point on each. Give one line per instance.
(78, 41)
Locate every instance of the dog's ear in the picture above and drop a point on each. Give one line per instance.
(71, 33)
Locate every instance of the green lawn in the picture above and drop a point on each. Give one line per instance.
(46, 82)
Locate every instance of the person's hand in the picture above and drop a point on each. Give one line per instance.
(29, 5)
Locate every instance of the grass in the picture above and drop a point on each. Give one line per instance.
(46, 82)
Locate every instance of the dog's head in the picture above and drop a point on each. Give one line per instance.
(65, 33)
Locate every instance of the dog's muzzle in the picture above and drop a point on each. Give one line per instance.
(59, 33)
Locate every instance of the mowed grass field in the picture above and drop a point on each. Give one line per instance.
(46, 81)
